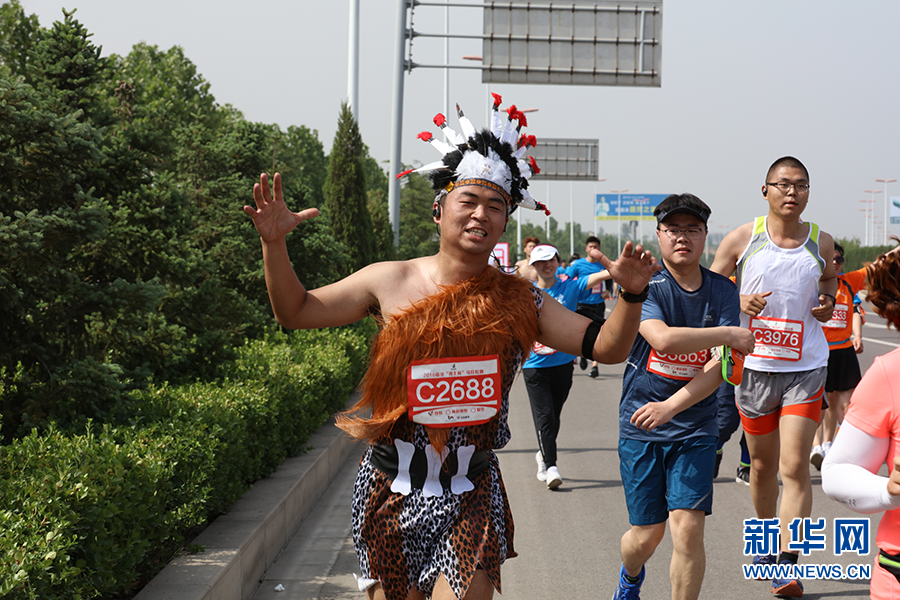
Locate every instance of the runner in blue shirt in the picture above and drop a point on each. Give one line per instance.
(592, 306)
(548, 372)
(667, 415)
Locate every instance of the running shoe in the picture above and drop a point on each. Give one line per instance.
(594, 373)
(764, 559)
(816, 457)
(743, 475)
(627, 590)
(553, 478)
(582, 362)
(542, 468)
(789, 587)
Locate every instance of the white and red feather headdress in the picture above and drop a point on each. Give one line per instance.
(492, 158)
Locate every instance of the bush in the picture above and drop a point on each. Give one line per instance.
(94, 512)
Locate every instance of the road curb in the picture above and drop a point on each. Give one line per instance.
(242, 543)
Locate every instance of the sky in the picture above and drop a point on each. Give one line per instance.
(743, 83)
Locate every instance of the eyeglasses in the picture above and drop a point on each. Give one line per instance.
(691, 233)
(838, 260)
(785, 186)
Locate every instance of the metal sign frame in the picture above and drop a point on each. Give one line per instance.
(580, 42)
(567, 159)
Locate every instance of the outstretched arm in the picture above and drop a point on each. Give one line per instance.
(680, 340)
(564, 330)
(595, 278)
(337, 304)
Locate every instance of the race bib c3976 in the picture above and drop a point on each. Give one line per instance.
(781, 339)
(449, 392)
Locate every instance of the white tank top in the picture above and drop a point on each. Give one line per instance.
(788, 338)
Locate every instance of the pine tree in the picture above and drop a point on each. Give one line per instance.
(345, 193)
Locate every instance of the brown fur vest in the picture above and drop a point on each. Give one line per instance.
(492, 313)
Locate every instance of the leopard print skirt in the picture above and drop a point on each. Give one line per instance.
(408, 541)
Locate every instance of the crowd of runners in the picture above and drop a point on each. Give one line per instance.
(764, 338)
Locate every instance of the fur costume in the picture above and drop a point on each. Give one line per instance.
(409, 540)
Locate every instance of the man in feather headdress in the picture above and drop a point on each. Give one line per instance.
(430, 513)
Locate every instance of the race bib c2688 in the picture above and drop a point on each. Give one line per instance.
(449, 392)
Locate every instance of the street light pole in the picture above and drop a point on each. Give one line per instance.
(594, 208)
(865, 212)
(886, 221)
(447, 58)
(571, 218)
(353, 61)
(872, 199)
(618, 194)
(397, 121)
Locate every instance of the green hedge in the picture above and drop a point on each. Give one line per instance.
(97, 512)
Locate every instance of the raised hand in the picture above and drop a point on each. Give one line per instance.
(893, 485)
(633, 269)
(272, 218)
(825, 310)
(753, 304)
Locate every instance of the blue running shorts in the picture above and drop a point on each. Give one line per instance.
(659, 477)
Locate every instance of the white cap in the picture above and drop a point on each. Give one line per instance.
(542, 252)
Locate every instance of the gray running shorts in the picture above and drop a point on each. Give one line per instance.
(761, 393)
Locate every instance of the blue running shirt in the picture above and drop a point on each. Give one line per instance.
(568, 293)
(652, 377)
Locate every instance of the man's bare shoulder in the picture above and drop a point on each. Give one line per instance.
(389, 274)
(730, 249)
(397, 284)
(738, 239)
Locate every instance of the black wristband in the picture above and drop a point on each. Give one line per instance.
(635, 298)
(587, 342)
(833, 299)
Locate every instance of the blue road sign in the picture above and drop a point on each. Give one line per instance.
(629, 207)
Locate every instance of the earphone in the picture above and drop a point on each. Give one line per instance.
(436, 210)
(765, 189)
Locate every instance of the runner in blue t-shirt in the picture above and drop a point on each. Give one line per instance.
(547, 372)
(592, 306)
(667, 415)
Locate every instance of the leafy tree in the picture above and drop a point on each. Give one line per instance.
(18, 35)
(345, 193)
(302, 164)
(419, 236)
(124, 256)
(168, 90)
(65, 316)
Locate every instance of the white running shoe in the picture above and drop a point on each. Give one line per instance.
(542, 468)
(816, 457)
(553, 478)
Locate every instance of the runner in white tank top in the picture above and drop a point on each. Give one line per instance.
(788, 336)
(787, 282)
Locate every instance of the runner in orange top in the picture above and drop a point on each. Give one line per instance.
(843, 366)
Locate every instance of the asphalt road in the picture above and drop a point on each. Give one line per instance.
(568, 539)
